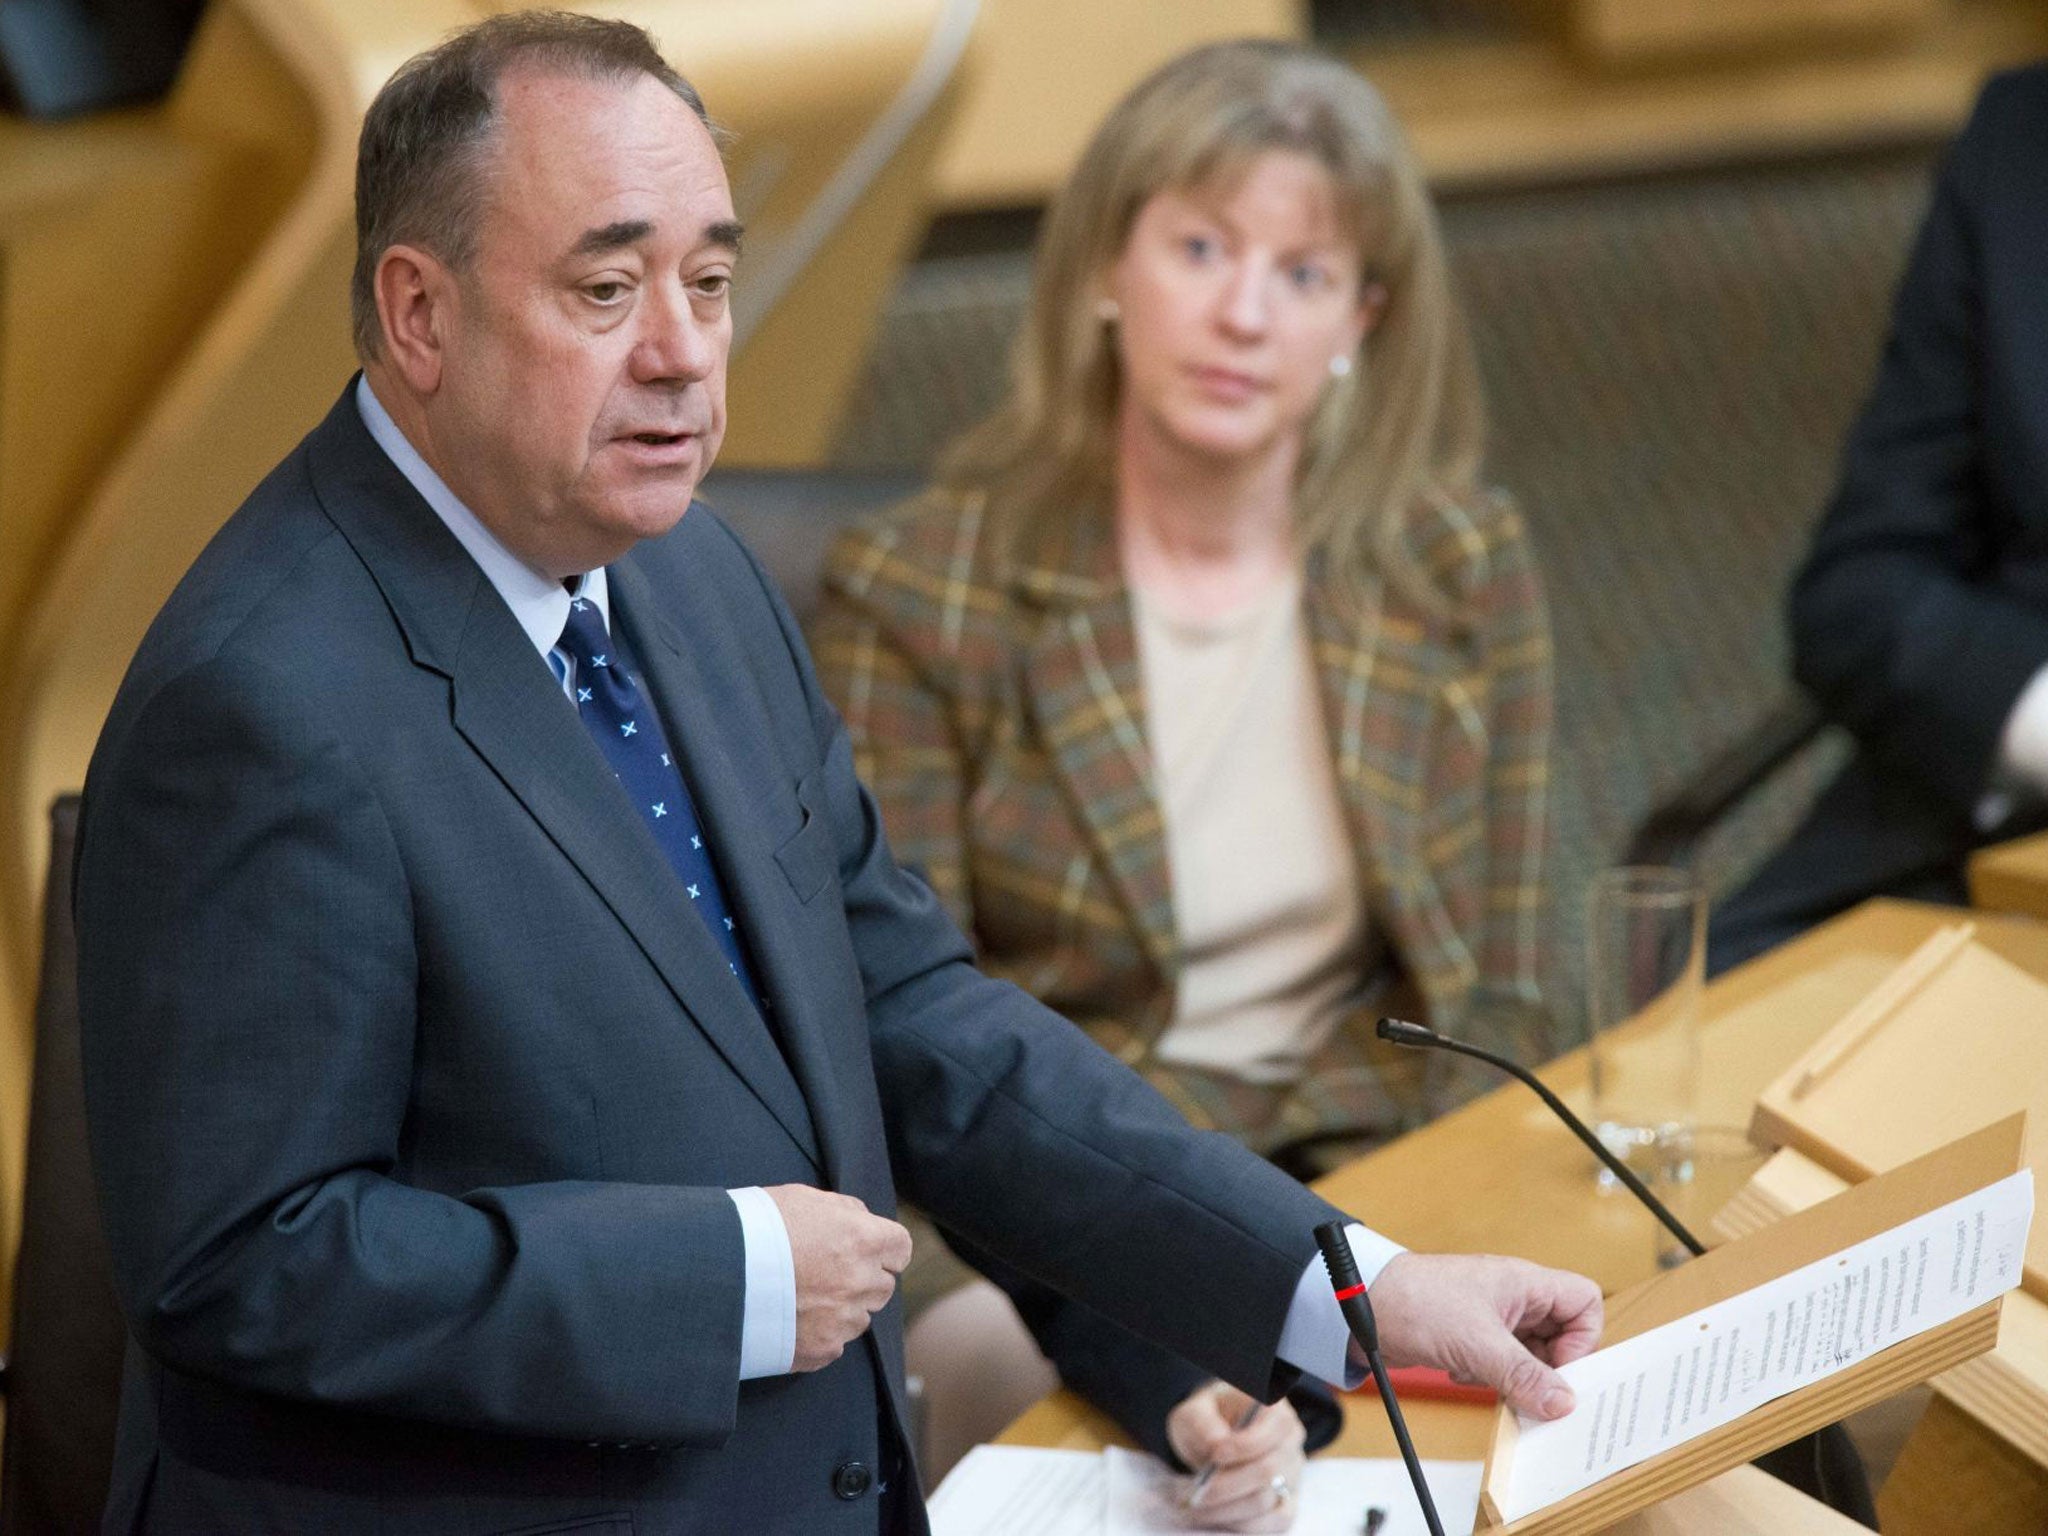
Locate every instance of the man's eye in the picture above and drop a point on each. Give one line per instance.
(1307, 275)
(715, 285)
(605, 293)
(1200, 247)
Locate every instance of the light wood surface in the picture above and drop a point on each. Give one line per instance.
(1527, 1185)
(1932, 1052)
(1533, 103)
(1738, 1501)
(1642, 31)
(1956, 1478)
(1052, 69)
(1494, 112)
(2012, 876)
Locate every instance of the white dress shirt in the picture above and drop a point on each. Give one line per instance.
(1312, 1339)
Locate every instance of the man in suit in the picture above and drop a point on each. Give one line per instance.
(505, 1027)
(1920, 620)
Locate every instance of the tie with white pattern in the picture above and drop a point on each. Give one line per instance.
(629, 733)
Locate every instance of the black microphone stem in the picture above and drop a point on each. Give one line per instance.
(1833, 1472)
(1357, 1310)
(1401, 1032)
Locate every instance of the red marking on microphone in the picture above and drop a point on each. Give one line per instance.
(1350, 1291)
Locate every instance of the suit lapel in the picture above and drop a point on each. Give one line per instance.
(708, 726)
(509, 708)
(1083, 687)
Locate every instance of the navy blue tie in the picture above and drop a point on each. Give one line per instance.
(629, 733)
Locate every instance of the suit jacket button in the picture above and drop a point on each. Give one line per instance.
(852, 1479)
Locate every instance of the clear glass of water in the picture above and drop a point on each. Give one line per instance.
(1646, 957)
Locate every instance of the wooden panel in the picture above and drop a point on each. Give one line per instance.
(1744, 1500)
(1504, 111)
(1967, 1046)
(1956, 1478)
(121, 235)
(1051, 71)
(2012, 877)
(1638, 31)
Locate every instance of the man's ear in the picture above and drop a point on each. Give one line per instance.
(415, 300)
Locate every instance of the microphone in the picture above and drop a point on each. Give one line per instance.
(1357, 1309)
(1401, 1032)
(1824, 1463)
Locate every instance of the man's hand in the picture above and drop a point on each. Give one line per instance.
(1242, 1495)
(847, 1260)
(1501, 1323)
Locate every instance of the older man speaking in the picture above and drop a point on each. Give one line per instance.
(506, 1030)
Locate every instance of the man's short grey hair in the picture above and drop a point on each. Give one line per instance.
(422, 159)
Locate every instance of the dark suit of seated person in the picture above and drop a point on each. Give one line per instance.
(1210, 687)
(505, 1027)
(1920, 618)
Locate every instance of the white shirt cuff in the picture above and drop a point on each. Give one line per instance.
(1314, 1339)
(768, 1323)
(2022, 752)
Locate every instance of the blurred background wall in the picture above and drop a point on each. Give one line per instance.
(1676, 224)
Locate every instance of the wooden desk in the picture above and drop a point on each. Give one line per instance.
(2012, 877)
(1529, 1184)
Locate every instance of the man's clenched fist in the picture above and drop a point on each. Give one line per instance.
(847, 1260)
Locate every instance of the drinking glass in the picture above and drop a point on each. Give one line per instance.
(1646, 956)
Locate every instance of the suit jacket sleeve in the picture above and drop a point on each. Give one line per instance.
(249, 992)
(906, 751)
(1135, 1382)
(1898, 625)
(979, 1077)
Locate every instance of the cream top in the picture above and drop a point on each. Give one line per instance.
(1271, 917)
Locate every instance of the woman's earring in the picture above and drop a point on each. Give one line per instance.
(1108, 311)
(1340, 366)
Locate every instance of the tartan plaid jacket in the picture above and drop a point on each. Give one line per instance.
(998, 719)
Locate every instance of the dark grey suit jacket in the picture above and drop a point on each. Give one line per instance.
(415, 1084)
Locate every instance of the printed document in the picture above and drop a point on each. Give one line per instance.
(1145, 1497)
(1664, 1387)
(1017, 1490)
(1009, 1490)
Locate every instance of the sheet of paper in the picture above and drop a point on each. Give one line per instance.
(1015, 1490)
(1664, 1387)
(1145, 1496)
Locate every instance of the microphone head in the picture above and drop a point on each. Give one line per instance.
(1337, 1255)
(1401, 1032)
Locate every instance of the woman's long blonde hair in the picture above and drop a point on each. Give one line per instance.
(1406, 430)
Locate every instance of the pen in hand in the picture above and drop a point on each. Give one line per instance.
(1244, 1421)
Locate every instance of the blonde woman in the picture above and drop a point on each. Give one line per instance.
(1209, 686)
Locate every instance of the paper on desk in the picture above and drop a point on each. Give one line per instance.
(1664, 1387)
(1145, 1496)
(1016, 1490)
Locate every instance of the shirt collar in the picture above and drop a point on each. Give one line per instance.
(538, 602)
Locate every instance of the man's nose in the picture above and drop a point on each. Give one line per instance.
(676, 343)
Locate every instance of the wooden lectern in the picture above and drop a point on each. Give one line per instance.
(1810, 1236)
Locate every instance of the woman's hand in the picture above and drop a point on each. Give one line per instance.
(1258, 1468)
